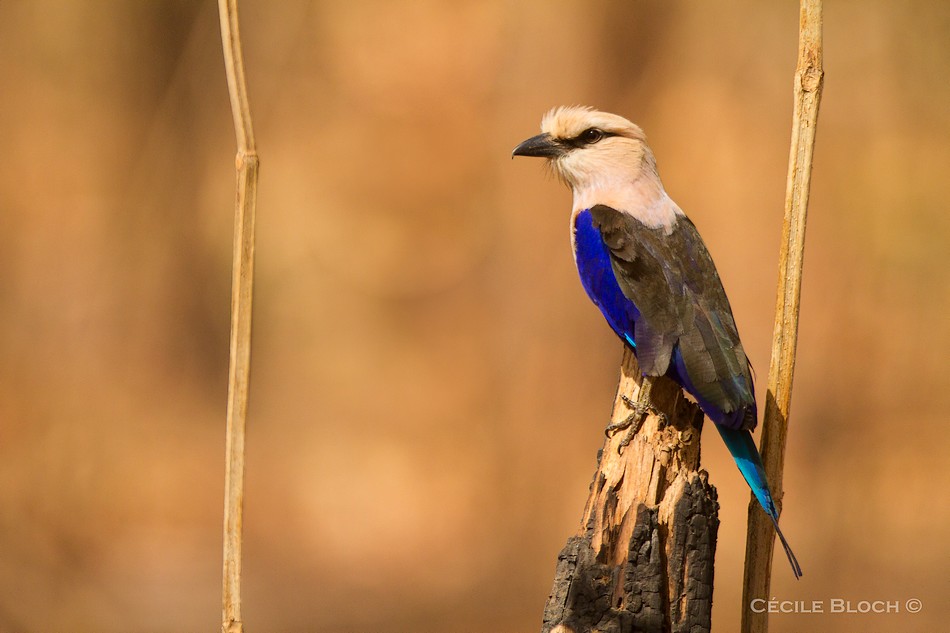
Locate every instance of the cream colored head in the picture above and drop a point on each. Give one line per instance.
(586, 147)
(605, 159)
(567, 122)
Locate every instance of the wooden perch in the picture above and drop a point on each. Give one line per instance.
(643, 558)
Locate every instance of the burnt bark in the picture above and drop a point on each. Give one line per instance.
(643, 558)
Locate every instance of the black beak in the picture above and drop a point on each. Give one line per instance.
(542, 146)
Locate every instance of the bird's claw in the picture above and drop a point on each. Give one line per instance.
(633, 422)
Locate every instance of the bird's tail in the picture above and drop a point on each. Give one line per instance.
(743, 450)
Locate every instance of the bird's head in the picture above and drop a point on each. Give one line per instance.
(590, 149)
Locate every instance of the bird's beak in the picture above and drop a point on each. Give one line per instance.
(542, 146)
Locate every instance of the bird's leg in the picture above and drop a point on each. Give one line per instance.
(639, 408)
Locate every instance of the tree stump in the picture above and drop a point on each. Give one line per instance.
(643, 558)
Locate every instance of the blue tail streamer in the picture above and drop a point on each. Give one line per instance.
(743, 450)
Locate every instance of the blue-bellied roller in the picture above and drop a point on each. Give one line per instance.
(643, 263)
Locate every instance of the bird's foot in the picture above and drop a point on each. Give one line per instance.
(633, 422)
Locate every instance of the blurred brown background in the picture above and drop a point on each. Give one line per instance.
(429, 384)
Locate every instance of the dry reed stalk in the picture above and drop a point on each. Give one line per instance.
(807, 94)
(242, 281)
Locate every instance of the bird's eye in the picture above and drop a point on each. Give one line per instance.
(591, 135)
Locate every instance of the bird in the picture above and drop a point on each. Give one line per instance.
(643, 263)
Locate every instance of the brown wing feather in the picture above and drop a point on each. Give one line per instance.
(672, 280)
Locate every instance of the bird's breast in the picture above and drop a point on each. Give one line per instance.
(597, 276)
